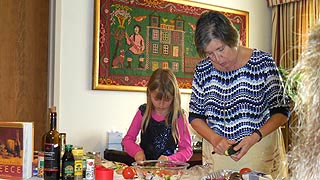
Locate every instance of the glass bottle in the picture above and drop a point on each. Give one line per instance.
(68, 163)
(52, 149)
(62, 144)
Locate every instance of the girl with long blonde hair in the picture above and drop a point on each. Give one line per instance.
(161, 123)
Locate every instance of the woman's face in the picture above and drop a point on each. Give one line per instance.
(222, 56)
(160, 105)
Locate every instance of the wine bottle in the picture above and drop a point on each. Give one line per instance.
(52, 149)
(68, 163)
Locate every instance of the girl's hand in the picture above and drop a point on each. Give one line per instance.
(139, 156)
(164, 158)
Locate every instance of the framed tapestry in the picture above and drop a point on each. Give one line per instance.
(132, 38)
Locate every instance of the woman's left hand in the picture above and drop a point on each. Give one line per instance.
(244, 145)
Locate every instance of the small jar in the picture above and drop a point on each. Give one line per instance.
(97, 157)
(78, 155)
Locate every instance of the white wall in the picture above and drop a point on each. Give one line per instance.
(85, 114)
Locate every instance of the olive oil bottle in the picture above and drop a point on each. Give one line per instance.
(68, 163)
(52, 149)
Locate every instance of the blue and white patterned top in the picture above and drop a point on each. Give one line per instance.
(236, 103)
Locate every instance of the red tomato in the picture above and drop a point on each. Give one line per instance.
(244, 170)
(128, 173)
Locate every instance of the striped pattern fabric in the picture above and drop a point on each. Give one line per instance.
(278, 2)
(238, 102)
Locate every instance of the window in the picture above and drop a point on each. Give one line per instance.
(155, 34)
(165, 49)
(165, 37)
(175, 37)
(155, 48)
(175, 51)
(175, 66)
(165, 65)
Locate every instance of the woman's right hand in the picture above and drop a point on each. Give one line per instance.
(139, 156)
(222, 145)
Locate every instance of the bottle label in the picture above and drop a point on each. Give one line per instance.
(90, 169)
(51, 157)
(68, 169)
(40, 163)
(78, 167)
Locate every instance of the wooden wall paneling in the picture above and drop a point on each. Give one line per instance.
(24, 63)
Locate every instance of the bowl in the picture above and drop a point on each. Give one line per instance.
(159, 169)
(220, 174)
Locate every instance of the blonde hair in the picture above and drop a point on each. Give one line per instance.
(304, 157)
(164, 83)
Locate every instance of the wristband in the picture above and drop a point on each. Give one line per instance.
(259, 133)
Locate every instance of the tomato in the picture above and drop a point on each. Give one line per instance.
(244, 170)
(128, 173)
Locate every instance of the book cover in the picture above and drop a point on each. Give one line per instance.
(16, 150)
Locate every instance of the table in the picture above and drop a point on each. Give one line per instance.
(121, 156)
(115, 177)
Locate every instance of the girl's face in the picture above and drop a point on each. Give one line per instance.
(161, 105)
(222, 56)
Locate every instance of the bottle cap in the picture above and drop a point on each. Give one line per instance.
(52, 109)
(68, 147)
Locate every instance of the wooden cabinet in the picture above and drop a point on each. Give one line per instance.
(24, 64)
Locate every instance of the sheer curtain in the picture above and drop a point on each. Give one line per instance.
(291, 20)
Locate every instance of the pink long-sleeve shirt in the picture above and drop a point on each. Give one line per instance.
(184, 152)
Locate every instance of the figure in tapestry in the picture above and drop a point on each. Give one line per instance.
(137, 46)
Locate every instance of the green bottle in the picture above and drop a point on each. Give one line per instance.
(68, 163)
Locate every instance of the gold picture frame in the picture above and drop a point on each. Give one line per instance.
(134, 37)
